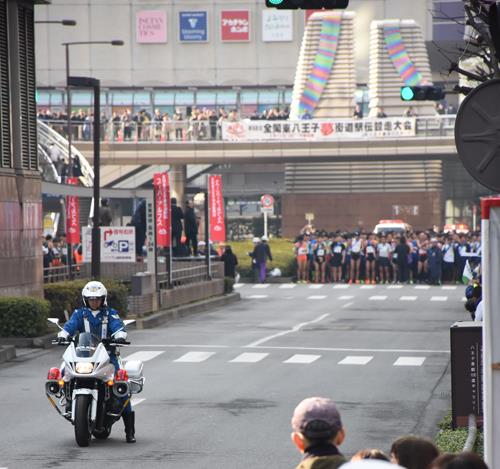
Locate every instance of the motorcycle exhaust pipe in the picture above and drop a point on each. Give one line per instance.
(121, 389)
(52, 387)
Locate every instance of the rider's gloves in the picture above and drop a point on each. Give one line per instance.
(120, 340)
(62, 337)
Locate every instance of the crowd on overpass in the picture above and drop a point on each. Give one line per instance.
(393, 257)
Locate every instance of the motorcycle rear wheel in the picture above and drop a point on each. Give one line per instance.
(82, 420)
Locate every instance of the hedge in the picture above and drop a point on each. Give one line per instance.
(453, 441)
(68, 296)
(23, 317)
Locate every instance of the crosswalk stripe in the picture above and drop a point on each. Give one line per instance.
(261, 285)
(394, 287)
(449, 287)
(257, 297)
(439, 298)
(238, 285)
(346, 297)
(316, 297)
(249, 358)
(422, 287)
(194, 357)
(409, 361)
(144, 356)
(367, 287)
(355, 360)
(316, 286)
(302, 359)
(378, 298)
(408, 298)
(288, 285)
(341, 285)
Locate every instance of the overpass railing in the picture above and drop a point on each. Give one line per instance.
(248, 130)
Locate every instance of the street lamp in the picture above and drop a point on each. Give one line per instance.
(70, 158)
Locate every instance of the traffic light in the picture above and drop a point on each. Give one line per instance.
(422, 93)
(307, 4)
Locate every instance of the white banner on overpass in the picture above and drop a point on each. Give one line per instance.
(318, 129)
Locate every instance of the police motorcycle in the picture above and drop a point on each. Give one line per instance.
(86, 391)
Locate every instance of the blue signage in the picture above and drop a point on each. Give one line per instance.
(193, 26)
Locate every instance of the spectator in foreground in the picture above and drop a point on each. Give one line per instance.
(369, 464)
(413, 452)
(317, 432)
(459, 461)
(370, 454)
(230, 262)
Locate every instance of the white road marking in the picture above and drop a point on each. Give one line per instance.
(288, 285)
(408, 298)
(394, 287)
(316, 297)
(346, 297)
(238, 285)
(249, 358)
(449, 287)
(179, 346)
(367, 287)
(136, 401)
(378, 298)
(316, 286)
(355, 360)
(295, 328)
(341, 285)
(347, 305)
(257, 297)
(261, 285)
(352, 350)
(439, 298)
(144, 356)
(422, 287)
(409, 361)
(194, 357)
(302, 359)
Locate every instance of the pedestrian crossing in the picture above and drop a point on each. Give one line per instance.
(351, 297)
(202, 356)
(342, 286)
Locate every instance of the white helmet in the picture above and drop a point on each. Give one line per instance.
(94, 289)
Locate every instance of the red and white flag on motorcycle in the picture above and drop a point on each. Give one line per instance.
(216, 209)
(72, 215)
(161, 186)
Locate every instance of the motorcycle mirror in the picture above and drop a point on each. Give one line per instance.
(128, 321)
(55, 321)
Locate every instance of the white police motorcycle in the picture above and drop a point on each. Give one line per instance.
(86, 391)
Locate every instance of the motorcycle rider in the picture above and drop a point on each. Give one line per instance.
(97, 317)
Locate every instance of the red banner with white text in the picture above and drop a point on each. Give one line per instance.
(163, 216)
(217, 224)
(72, 215)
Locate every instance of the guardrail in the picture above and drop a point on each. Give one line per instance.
(61, 273)
(259, 130)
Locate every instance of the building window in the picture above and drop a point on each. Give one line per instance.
(448, 20)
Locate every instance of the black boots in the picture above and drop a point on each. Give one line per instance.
(129, 420)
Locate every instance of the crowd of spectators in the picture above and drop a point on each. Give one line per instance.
(412, 257)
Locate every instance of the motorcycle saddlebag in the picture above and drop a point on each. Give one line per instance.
(136, 380)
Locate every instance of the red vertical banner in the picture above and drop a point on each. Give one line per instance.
(216, 206)
(72, 215)
(163, 217)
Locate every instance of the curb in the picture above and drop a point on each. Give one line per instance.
(7, 352)
(165, 316)
(44, 341)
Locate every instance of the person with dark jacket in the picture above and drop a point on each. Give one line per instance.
(317, 432)
(402, 251)
(177, 216)
(260, 254)
(139, 222)
(230, 262)
(191, 228)
(105, 215)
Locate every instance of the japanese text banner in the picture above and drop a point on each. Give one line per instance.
(72, 215)
(216, 209)
(161, 186)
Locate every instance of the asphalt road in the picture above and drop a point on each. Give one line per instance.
(221, 386)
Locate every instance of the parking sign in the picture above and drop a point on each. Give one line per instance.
(193, 26)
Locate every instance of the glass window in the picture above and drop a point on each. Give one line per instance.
(142, 98)
(205, 98)
(448, 32)
(164, 98)
(42, 98)
(227, 98)
(56, 98)
(121, 98)
(288, 97)
(81, 98)
(184, 98)
(269, 97)
(248, 97)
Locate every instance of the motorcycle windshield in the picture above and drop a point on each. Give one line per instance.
(87, 344)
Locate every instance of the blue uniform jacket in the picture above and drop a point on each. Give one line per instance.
(76, 324)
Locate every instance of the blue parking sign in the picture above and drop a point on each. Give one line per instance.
(193, 26)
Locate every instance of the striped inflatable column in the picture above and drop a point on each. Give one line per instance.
(323, 64)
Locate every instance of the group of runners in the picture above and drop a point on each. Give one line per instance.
(416, 257)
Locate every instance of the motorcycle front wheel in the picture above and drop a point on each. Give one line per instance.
(82, 419)
(103, 433)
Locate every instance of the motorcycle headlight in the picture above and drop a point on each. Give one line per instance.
(84, 368)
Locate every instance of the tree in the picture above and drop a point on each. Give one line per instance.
(482, 42)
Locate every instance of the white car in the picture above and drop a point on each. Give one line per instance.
(391, 226)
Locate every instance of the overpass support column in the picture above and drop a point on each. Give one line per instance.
(178, 173)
